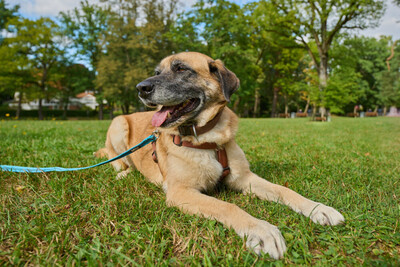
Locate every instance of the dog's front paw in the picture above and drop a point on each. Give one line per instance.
(325, 215)
(265, 237)
(123, 174)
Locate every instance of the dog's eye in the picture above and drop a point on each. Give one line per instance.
(157, 72)
(180, 69)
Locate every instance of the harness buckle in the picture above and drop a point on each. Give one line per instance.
(185, 130)
(156, 133)
(180, 140)
(194, 132)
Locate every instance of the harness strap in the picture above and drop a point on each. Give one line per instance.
(223, 160)
(191, 130)
(154, 154)
(186, 130)
(177, 140)
(221, 155)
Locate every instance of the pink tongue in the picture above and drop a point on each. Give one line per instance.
(160, 116)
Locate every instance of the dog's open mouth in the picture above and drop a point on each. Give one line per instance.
(169, 114)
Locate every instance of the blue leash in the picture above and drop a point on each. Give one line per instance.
(9, 168)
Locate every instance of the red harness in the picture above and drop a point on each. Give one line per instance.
(194, 131)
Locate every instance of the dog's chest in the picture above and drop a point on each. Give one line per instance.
(198, 168)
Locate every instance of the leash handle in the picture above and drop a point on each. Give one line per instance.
(9, 168)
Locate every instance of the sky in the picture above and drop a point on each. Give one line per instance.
(390, 23)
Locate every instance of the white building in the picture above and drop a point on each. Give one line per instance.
(84, 99)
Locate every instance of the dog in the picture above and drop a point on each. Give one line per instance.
(196, 149)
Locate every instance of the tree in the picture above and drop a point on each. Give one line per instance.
(135, 43)
(290, 69)
(39, 42)
(360, 58)
(345, 86)
(320, 22)
(74, 78)
(389, 79)
(279, 58)
(85, 27)
(15, 74)
(223, 30)
(5, 15)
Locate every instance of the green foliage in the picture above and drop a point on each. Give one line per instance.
(345, 86)
(91, 218)
(389, 79)
(227, 34)
(366, 60)
(15, 72)
(48, 114)
(84, 28)
(286, 53)
(6, 14)
(389, 94)
(135, 43)
(366, 57)
(320, 23)
(39, 43)
(74, 79)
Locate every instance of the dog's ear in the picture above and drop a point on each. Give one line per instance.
(228, 80)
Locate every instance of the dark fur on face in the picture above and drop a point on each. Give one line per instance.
(182, 86)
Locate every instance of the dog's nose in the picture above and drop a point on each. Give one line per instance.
(145, 87)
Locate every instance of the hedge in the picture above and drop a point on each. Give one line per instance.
(49, 113)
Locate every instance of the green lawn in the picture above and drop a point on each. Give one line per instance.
(89, 218)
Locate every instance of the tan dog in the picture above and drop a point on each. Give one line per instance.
(190, 91)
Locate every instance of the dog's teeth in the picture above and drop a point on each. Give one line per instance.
(169, 115)
(185, 104)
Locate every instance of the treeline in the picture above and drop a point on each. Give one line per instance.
(290, 55)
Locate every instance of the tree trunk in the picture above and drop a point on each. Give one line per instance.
(256, 103)
(391, 55)
(40, 110)
(323, 81)
(236, 105)
(64, 116)
(111, 111)
(101, 108)
(126, 108)
(246, 110)
(307, 105)
(314, 110)
(274, 102)
(19, 107)
(286, 106)
(43, 90)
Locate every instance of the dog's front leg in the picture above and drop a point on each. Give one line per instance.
(261, 236)
(318, 213)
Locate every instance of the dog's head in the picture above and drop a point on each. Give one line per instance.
(188, 87)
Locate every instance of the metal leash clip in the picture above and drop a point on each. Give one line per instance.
(156, 133)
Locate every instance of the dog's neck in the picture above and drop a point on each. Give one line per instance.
(192, 130)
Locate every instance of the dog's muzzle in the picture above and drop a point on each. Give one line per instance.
(145, 88)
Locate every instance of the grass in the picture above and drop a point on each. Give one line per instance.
(89, 218)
